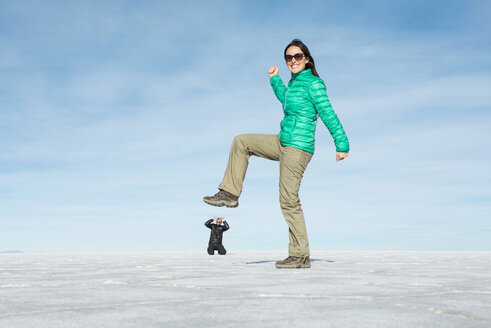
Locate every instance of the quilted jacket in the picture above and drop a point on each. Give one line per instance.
(216, 233)
(303, 100)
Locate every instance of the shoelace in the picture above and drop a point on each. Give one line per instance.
(220, 194)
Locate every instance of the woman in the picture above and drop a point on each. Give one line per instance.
(303, 100)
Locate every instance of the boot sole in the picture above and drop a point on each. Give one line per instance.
(222, 203)
(298, 266)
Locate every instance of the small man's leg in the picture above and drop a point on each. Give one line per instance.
(211, 250)
(221, 250)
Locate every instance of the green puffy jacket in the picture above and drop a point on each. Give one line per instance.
(304, 98)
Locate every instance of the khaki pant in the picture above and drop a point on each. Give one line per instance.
(293, 163)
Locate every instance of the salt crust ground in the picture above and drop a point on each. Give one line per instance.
(243, 289)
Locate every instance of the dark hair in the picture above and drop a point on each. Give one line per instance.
(306, 52)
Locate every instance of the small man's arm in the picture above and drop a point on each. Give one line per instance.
(208, 223)
(225, 226)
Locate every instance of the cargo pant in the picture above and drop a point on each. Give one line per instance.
(293, 163)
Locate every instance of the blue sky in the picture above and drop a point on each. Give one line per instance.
(117, 117)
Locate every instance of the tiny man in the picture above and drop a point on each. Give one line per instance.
(216, 234)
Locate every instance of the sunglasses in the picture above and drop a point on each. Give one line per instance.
(297, 57)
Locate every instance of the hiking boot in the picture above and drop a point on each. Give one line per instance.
(294, 262)
(222, 198)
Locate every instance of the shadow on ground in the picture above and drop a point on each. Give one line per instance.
(274, 261)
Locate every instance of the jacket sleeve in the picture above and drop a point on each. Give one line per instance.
(323, 107)
(208, 223)
(278, 87)
(225, 226)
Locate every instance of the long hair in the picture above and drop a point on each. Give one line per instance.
(306, 52)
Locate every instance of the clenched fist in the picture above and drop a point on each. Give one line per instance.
(273, 71)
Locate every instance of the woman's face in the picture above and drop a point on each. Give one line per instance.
(295, 65)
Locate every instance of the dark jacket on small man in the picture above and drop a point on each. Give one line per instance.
(216, 231)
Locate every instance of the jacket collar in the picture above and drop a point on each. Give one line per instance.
(307, 71)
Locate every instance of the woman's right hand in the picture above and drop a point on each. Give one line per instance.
(273, 71)
(340, 156)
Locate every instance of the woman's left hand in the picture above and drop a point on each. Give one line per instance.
(273, 71)
(341, 156)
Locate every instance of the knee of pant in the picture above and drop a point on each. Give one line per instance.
(239, 141)
(288, 203)
(238, 138)
(239, 145)
(290, 208)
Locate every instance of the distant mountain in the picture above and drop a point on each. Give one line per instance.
(10, 252)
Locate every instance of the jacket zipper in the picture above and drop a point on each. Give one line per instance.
(286, 94)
